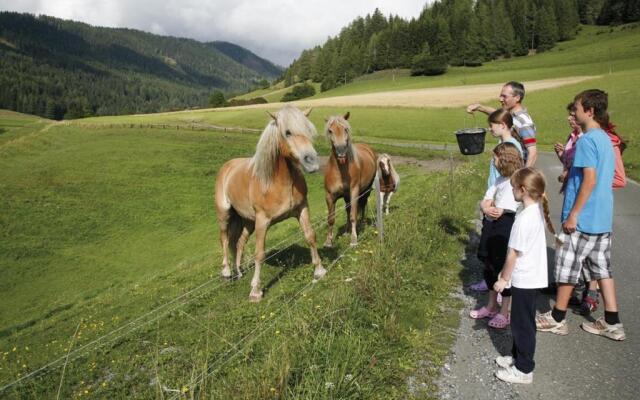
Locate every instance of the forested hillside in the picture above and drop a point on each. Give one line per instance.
(452, 32)
(65, 69)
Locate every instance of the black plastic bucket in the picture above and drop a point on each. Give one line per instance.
(471, 140)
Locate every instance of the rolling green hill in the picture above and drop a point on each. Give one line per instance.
(58, 68)
(612, 54)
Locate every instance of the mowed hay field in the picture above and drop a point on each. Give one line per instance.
(110, 287)
(110, 258)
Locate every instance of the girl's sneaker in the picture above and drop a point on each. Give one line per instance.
(513, 375)
(504, 361)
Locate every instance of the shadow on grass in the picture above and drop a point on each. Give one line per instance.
(16, 328)
(294, 257)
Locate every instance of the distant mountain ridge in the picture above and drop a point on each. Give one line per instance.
(59, 68)
(248, 59)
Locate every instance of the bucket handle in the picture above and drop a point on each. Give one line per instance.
(466, 116)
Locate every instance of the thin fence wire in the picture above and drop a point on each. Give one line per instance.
(256, 332)
(139, 322)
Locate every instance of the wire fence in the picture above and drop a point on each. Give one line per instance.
(164, 309)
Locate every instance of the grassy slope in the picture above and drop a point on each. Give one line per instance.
(274, 94)
(100, 226)
(14, 125)
(596, 51)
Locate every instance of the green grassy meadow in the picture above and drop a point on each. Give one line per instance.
(109, 253)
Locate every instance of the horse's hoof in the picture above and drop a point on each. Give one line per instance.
(255, 297)
(226, 277)
(319, 273)
(328, 244)
(353, 244)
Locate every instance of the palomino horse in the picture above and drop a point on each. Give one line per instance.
(349, 174)
(389, 180)
(254, 193)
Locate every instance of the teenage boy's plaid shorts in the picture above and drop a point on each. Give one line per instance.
(581, 250)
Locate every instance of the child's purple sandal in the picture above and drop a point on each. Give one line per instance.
(499, 321)
(482, 312)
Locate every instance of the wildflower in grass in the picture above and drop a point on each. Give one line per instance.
(263, 316)
(185, 389)
(277, 332)
(348, 377)
(273, 389)
(329, 385)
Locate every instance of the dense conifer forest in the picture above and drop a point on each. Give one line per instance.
(452, 32)
(64, 69)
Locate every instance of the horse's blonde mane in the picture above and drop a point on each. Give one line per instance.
(267, 152)
(351, 151)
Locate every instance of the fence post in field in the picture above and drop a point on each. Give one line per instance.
(379, 222)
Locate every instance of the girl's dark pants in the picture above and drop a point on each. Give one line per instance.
(492, 250)
(523, 327)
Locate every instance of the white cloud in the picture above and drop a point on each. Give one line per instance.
(276, 29)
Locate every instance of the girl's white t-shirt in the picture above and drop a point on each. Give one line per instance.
(528, 239)
(501, 192)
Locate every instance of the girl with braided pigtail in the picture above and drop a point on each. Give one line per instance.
(525, 271)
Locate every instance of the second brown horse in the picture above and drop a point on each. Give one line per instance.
(349, 174)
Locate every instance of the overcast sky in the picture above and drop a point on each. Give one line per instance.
(275, 29)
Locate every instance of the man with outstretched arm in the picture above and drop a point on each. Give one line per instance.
(511, 97)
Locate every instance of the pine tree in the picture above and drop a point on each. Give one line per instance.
(503, 34)
(567, 18)
(547, 30)
(440, 40)
(589, 10)
(485, 21)
(521, 13)
(216, 99)
(424, 63)
(615, 12)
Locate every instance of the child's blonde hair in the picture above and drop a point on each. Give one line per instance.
(533, 181)
(509, 159)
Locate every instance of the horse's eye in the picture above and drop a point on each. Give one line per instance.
(288, 133)
(330, 132)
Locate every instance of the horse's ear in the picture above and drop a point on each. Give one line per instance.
(346, 116)
(307, 112)
(273, 116)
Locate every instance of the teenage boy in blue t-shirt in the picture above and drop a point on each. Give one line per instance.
(587, 220)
